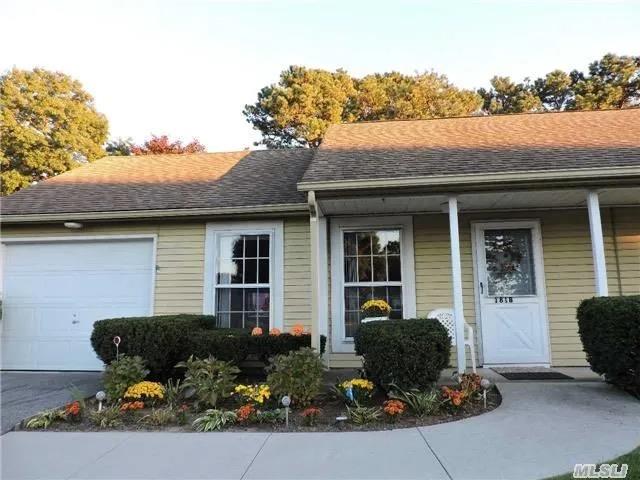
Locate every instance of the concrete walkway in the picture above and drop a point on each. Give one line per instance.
(24, 394)
(541, 429)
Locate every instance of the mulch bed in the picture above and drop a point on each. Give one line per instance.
(330, 409)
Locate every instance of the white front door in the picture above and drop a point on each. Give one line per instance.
(510, 293)
(55, 291)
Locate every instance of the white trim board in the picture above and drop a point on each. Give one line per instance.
(339, 225)
(275, 229)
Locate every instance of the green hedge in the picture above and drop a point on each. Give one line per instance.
(163, 341)
(610, 332)
(407, 353)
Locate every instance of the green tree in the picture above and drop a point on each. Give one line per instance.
(394, 96)
(120, 146)
(300, 107)
(48, 125)
(555, 90)
(298, 110)
(612, 82)
(506, 96)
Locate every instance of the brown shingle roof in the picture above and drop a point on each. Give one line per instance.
(493, 144)
(158, 182)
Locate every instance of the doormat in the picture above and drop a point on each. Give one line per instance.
(520, 375)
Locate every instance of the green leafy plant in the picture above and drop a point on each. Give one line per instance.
(208, 380)
(173, 392)
(609, 328)
(45, 419)
(421, 403)
(108, 417)
(297, 374)
(121, 374)
(214, 420)
(274, 416)
(409, 354)
(363, 415)
(159, 417)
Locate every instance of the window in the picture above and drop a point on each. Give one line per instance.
(372, 269)
(243, 276)
(370, 258)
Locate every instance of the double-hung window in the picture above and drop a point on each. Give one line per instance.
(369, 260)
(372, 270)
(243, 276)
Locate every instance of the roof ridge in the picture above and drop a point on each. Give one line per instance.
(459, 117)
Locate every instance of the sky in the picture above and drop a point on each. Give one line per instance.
(186, 68)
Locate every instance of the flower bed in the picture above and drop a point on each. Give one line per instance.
(253, 407)
(292, 393)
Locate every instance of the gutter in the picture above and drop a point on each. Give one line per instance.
(283, 209)
(596, 175)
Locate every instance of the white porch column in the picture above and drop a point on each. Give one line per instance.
(597, 244)
(456, 270)
(319, 274)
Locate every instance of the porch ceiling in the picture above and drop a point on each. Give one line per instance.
(505, 200)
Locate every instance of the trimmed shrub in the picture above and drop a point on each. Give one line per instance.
(266, 346)
(223, 344)
(405, 353)
(161, 341)
(165, 340)
(609, 328)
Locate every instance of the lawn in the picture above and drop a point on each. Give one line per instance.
(632, 459)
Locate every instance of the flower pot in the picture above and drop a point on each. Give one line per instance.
(374, 319)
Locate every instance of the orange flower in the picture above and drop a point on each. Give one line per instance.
(394, 407)
(311, 412)
(72, 409)
(137, 405)
(245, 412)
(256, 331)
(274, 331)
(297, 330)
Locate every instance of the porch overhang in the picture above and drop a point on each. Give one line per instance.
(385, 202)
(393, 201)
(577, 177)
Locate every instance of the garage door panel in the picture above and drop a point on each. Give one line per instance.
(55, 291)
(25, 322)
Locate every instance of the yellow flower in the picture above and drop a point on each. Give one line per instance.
(380, 305)
(254, 393)
(145, 390)
(357, 383)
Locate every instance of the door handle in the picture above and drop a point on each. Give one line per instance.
(75, 321)
(481, 288)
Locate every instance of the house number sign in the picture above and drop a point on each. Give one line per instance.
(504, 299)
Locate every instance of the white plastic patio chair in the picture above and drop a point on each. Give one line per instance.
(446, 318)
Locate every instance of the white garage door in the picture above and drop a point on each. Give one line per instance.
(55, 291)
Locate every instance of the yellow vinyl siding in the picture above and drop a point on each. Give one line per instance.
(180, 261)
(297, 273)
(568, 266)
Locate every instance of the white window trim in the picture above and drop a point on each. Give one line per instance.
(275, 230)
(338, 226)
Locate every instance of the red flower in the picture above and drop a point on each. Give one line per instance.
(72, 409)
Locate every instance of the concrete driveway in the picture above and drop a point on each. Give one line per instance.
(26, 393)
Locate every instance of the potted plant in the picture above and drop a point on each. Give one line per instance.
(373, 310)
